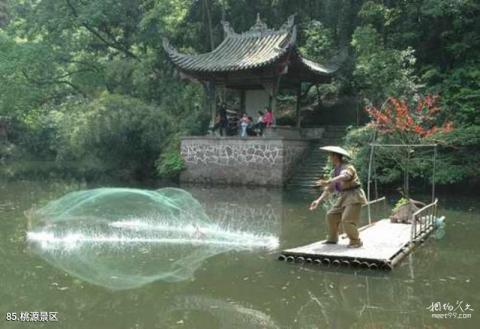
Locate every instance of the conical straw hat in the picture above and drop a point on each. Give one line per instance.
(336, 149)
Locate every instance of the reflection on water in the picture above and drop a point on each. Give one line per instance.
(342, 300)
(242, 207)
(200, 311)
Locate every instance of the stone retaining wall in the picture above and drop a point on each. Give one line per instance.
(240, 161)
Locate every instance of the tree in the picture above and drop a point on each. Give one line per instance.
(3, 13)
(381, 72)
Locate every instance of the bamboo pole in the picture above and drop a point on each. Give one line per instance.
(368, 182)
(433, 172)
(403, 145)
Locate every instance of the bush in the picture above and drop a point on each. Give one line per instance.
(113, 135)
(120, 135)
(458, 155)
(170, 163)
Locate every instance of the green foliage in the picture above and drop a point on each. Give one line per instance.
(357, 141)
(378, 14)
(124, 134)
(389, 164)
(459, 155)
(35, 133)
(460, 90)
(381, 72)
(20, 64)
(112, 135)
(319, 42)
(87, 88)
(170, 163)
(3, 13)
(400, 203)
(457, 161)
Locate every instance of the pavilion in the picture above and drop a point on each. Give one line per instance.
(257, 63)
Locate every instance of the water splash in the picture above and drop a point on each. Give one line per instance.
(124, 238)
(197, 236)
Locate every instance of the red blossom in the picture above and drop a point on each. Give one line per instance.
(396, 116)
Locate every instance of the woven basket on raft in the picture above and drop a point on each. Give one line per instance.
(404, 213)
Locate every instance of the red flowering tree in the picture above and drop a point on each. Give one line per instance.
(397, 119)
(397, 122)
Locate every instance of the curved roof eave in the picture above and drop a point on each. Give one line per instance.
(256, 48)
(317, 67)
(236, 52)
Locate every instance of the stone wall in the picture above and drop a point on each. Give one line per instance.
(237, 161)
(282, 132)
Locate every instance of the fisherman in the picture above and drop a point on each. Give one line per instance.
(345, 186)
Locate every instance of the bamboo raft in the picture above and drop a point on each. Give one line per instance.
(385, 244)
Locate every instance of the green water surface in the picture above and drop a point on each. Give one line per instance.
(249, 288)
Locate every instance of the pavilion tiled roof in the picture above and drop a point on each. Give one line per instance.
(253, 49)
(317, 67)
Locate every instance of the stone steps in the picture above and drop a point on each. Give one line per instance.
(330, 140)
(336, 128)
(311, 168)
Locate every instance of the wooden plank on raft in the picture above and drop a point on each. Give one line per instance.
(382, 242)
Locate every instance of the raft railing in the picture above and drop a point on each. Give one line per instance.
(369, 203)
(423, 221)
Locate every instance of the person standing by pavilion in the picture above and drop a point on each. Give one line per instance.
(345, 185)
(221, 120)
(268, 118)
(244, 122)
(260, 125)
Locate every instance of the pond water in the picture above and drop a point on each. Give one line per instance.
(237, 287)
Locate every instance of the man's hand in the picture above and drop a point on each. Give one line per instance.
(314, 204)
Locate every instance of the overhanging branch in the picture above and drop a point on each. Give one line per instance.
(113, 44)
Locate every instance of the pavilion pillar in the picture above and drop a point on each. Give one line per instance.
(242, 101)
(273, 99)
(212, 100)
(273, 103)
(297, 109)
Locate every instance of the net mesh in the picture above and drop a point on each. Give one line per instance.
(122, 238)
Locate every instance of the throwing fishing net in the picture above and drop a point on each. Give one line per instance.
(123, 238)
